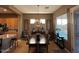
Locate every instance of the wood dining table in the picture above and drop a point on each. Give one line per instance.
(38, 44)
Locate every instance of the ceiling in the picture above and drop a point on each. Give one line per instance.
(4, 9)
(37, 8)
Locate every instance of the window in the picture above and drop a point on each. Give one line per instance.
(61, 25)
(58, 21)
(32, 21)
(64, 22)
(42, 21)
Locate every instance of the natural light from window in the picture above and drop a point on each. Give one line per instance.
(59, 22)
(61, 25)
(64, 22)
(32, 21)
(42, 21)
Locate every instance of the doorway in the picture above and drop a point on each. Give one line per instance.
(76, 18)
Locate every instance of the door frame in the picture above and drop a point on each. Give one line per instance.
(72, 12)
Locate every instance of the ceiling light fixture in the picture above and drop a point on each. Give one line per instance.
(5, 10)
(38, 11)
(47, 7)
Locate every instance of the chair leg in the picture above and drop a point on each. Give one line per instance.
(29, 50)
(16, 43)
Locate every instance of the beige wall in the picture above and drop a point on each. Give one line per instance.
(27, 17)
(20, 25)
(37, 16)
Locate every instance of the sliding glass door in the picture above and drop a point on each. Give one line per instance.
(61, 26)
